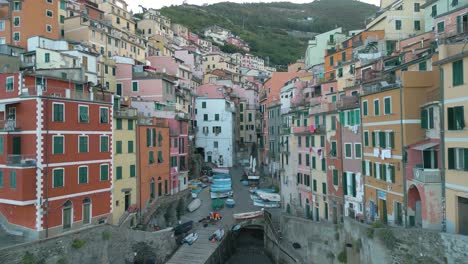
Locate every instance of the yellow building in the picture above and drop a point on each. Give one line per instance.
(124, 181)
(453, 61)
(117, 14)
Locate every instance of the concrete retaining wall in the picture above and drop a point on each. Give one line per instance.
(97, 244)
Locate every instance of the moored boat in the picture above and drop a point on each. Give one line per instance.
(194, 205)
(248, 215)
(266, 204)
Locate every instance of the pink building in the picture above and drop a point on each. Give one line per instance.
(179, 148)
(193, 37)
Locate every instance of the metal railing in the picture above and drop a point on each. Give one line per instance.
(9, 125)
(21, 160)
(126, 113)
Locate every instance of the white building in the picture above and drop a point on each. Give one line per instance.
(215, 120)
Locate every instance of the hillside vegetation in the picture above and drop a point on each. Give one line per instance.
(271, 28)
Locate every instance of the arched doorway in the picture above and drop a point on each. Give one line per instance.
(86, 211)
(414, 206)
(152, 188)
(67, 213)
(307, 209)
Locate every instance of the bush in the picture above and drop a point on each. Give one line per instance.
(370, 233)
(377, 224)
(28, 258)
(342, 257)
(388, 238)
(78, 243)
(106, 235)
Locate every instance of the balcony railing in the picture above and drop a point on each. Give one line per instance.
(9, 125)
(286, 130)
(426, 175)
(297, 130)
(67, 93)
(126, 113)
(21, 160)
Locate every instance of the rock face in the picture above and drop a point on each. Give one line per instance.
(353, 242)
(98, 244)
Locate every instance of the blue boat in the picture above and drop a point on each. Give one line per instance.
(219, 188)
(221, 176)
(230, 203)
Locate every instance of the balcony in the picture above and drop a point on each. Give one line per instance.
(426, 175)
(300, 130)
(286, 131)
(103, 97)
(323, 107)
(348, 102)
(126, 113)
(9, 125)
(182, 116)
(21, 160)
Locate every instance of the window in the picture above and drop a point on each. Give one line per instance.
(454, 3)
(322, 141)
(456, 118)
(423, 66)
(340, 72)
(417, 25)
(387, 105)
(457, 73)
(130, 146)
(2, 25)
(203, 105)
(216, 130)
(49, 13)
(16, 21)
(366, 138)
(314, 185)
(83, 144)
(104, 174)
(324, 187)
(50, 1)
(333, 149)
(357, 151)
(377, 171)
(417, 7)
(2, 145)
(398, 24)
(376, 107)
(58, 112)
(434, 11)
(333, 123)
(48, 28)
(119, 124)
(335, 177)
(16, 36)
(366, 168)
(118, 172)
(331, 60)
(324, 164)
(2, 180)
(458, 159)
(307, 142)
(83, 115)
(299, 158)
(58, 144)
(132, 170)
(216, 117)
(58, 178)
(17, 6)
(205, 117)
(314, 162)
(160, 157)
(307, 157)
(343, 56)
(348, 151)
(299, 141)
(130, 124)
(82, 174)
(135, 86)
(118, 148)
(427, 118)
(103, 115)
(62, 19)
(104, 144)
(365, 105)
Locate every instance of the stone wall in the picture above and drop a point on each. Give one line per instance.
(353, 242)
(97, 244)
(166, 211)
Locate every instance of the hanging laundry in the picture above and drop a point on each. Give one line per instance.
(386, 154)
(376, 152)
(312, 128)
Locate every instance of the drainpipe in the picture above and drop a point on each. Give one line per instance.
(342, 169)
(442, 146)
(403, 148)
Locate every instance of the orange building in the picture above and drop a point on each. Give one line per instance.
(55, 158)
(153, 160)
(28, 18)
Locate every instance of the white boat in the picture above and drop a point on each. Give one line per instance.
(192, 237)
(269, 197)
(253, 177)
(217, 235)
(266, 204)
(215, 195)
(248, 215)
(194, 205)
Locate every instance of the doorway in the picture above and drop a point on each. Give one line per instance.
(86, 211)
(67, 215)
(152, 189)
(317, 216)
(462, 216)
(383, 215)
(16, 146)
(307, 209)
(127, 201)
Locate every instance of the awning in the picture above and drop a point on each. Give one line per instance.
(426, 146)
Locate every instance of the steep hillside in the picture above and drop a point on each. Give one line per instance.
(276, 30)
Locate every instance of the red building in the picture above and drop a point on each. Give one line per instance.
(56, 155)
(153, 160)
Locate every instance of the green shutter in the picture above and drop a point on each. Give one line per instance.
(366, 138)
(300, 158)
(430, 124)
(83, 144)
(312, 139)
(58, 178)
(357, 116)
(383, 171)
(392, 139)
(364, 167)
(373, 138)
(132, 170)
(315, 185)
(370, 168)
(130, 146)
(345, 184)
(387, 106)
(353, 184)
(465, 155)
(118, 172)
(307, 156)
(392, 173)
(342, 117)
(459, 117)
(160, 157)
(335, 177)
(83, 174)
(104, 172)
(13, 179)
(130, 124)
(424, 119)
(382, 139)
(148, 137)
(2, 145)
(203, 104)
(351, 118)
(375, 170)
(299, 141)
(118, 147)
(457, 72)
(451, 158)
(119, 124)
(459, 24)
(307, 141)
(324, 165)
(2, 180)
(151, 157)
(314, 163)
(324, 187)
(104, 144)
(450, 118)
(135, 86)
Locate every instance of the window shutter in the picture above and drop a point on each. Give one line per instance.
(424, 119)
(392, 173)
(382, 140)
(357, 116)
(314, 164)
(370, 168)
(148, 137)
(335, 177)
(451, 158)
(450, 118)
(345, 184)
(459, 24)
(459, 117)
(375, 170)
(465, 155)
(373, 138)
(430, 124)
(154, 137)
(351, 118)
(364, 167)
(383, 172)
(364, 108)
(342, 118)
(392, 139)
(354, 184)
